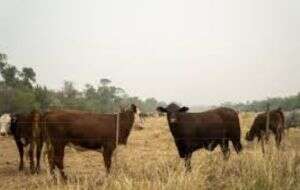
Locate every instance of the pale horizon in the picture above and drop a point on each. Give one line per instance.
(192, 52)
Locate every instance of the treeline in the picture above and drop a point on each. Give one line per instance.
(286, 103)
(19, 92)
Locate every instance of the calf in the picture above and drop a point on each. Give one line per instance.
(26, 132)
(276, 125)
(192, 131)
(88, 130)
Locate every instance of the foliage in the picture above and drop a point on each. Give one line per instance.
(286, 103)
(20, 93)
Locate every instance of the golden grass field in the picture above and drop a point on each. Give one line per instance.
(150, 161)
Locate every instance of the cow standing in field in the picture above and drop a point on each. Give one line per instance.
(192, 131)
(276, 125)
(88, 130)
(26, 132)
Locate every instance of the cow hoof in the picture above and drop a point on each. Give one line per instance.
(188, 170)
(64, 179)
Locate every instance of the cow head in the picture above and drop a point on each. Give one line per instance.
(172, 110)
(5, 124)
(126, 123)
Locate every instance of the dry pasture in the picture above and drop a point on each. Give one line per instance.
(150, 161)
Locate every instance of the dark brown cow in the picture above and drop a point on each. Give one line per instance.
(26, 132)
(258, 128)
(192, 131)
(88, 130)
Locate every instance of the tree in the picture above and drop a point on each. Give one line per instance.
(3, 59)
(18, 94)
(105, 82)
(68, 90)
(28, 76)
(90, 91)
(150, 104)
(42, 97)
(10, 75)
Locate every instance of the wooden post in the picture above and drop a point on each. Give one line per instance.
(117, 129)
(117, 138)
(268, 122)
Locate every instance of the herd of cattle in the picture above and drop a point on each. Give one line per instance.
(191, 131)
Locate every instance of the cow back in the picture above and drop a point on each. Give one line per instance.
(87, 129)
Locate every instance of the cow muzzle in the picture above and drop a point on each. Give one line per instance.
(173, 120)
(23, 141)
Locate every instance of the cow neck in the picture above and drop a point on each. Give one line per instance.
(173, 127)
(14, 124)
(13, 127)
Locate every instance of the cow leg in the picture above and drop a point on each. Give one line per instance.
(212, 145)
(187, 162)
(237, 145)
(50, 155)
(278, 139)
(30, 153)
(225, 149)
(59, 151)
(262, 139)
(39, 148)
(21, 154)
(107, 155)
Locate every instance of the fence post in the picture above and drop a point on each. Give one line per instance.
(268, 122)
(117, 129)
(117, 136)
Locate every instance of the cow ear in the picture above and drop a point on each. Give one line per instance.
(161, 109)
(183, 109)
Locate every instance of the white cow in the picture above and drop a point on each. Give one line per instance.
(5, 121)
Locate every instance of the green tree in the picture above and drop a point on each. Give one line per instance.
(42, 97)
(10, 75)
(3, 59)
(28, 76)
(105, 82)
(69, 90)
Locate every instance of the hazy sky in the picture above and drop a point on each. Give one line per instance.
(192, 51)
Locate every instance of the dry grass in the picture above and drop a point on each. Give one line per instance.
(150, 161)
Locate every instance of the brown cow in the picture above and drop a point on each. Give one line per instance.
(192, 131)
(26, 132)
(258, 128)
(88, 130)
